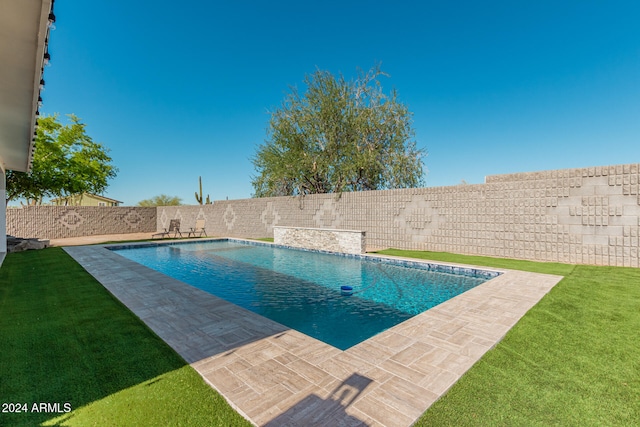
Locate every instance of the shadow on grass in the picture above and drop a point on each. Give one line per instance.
(66, 340)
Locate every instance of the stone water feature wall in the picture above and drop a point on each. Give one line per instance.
(583, 215)
(344, 241)
(57, 222)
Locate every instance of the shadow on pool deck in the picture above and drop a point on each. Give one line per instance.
(314, 410)
(195, 323)
(66, 341)
(273, 375)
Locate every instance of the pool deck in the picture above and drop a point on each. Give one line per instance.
(276, 376)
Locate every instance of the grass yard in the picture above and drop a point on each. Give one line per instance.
(573, 359)
(65, 339)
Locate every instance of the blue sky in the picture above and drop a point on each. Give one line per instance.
(181, 90)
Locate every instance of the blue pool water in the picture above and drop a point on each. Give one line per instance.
(302, 289)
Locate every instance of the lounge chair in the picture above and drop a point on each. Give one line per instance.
(174, 227)
(199, 228)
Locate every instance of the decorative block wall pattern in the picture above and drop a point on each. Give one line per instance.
(57, 222)
(584, 216)
(344, 241)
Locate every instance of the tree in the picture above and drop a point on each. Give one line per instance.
(161, 200)
(339, 136)
(66, 162)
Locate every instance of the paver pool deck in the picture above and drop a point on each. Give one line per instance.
(276, 376)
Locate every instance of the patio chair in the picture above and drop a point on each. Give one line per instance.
(174, 227)
(199, 228)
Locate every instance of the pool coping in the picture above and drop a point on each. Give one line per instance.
(440, 267)
(274, 375)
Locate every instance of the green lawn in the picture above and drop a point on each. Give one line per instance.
(573, 359)
(65, 339)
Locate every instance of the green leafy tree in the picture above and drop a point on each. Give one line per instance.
(66, 162)
(161, 200)
(338, 136)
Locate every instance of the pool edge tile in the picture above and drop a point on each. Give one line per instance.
(346, 371)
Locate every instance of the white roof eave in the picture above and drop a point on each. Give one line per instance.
(24, 33)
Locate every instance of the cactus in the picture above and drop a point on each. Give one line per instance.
(199, 196)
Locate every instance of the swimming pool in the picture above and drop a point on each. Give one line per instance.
(302, 289)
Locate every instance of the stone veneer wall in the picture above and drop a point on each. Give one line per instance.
(56, 222)
(345, 241)
(584, 215)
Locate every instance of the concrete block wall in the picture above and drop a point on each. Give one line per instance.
(583, 215)
(587, 215)
(57, 222)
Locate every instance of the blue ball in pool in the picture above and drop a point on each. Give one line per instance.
(346, 290)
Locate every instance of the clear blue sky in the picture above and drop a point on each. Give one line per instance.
(181, 90)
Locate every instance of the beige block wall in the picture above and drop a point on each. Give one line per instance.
(57, 222)
(584, 215)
